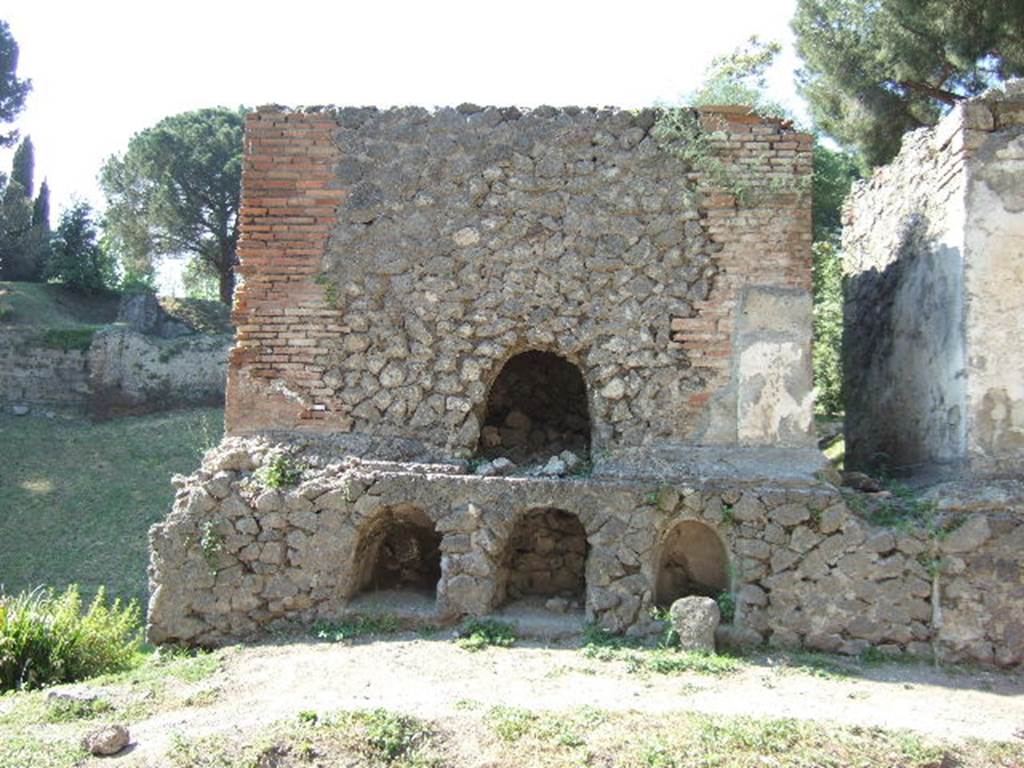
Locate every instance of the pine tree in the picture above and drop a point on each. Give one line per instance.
(874, 70)
(12, 90)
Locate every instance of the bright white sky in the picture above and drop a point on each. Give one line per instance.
(104, 69)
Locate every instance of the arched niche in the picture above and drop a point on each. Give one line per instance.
(536, 408)
(692, 561)
(399, 550)
(545, 556)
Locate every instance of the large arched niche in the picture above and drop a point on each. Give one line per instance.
(692, 561)
(399, 550)
(535, 409)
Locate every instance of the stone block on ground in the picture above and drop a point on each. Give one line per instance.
(106, 740)
(695, 620)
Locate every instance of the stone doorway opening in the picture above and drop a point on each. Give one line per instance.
(399, 553)
(693, 561)
(536, 408)
(545, 561)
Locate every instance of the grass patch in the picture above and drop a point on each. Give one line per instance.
(46, 638)
(477, 634)
(510, 737)
(374, 738)
(352, 629)
(24, 750)
(78, 498)
(201, 315)
(664, 659)
(54, 306)
(69, 339)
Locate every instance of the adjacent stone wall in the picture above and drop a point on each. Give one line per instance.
(395, 260)
(932, 253)
(118, 371)
(37, 371)
(235, 558)
(133, 373)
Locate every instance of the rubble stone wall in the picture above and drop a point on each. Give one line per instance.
(236, 558)
(119, 371)
(33, 372)
(395, 260)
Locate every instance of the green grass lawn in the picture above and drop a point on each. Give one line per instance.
(77, 498)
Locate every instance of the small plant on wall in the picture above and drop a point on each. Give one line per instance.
(281, 471)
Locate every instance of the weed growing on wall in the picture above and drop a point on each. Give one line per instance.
(211, 542)
(280, 471)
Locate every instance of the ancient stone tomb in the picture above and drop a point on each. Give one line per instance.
(488, 358)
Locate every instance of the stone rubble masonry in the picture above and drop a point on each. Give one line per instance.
(934, 368)
(235, 558)
(120, 372)
(32, 373)
(394, 260)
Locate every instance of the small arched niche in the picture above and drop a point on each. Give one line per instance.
(400, 551)
(545, 557)
(536, 408)
(693, 561)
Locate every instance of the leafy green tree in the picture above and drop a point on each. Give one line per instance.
(77, 258)
(739, 78)
(874, 70)
(834, 174)
(13, 91)
(199, 280)
(175, 192)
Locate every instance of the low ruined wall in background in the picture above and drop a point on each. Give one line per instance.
(804, 569)
(130, 372)
(37, 368)
(110, 371)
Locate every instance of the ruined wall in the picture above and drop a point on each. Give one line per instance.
(115, 370)
(903, 352)
(394, 260)
(34, 371)
(933, 258)
(993, 280)
(236, 558)
(133, 373)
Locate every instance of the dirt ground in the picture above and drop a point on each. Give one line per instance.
(259, 685)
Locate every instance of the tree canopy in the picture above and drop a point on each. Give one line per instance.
(874, 70)
(24, 222)
(76, 257)
(13, 91)
(175, 191)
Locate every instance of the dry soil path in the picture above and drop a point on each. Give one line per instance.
(262, 684)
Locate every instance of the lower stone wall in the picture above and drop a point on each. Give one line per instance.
(37, 370)
(235, 558)
(111, 371)
(133, 373)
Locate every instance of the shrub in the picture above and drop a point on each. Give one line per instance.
(45, 638)
(77, 258)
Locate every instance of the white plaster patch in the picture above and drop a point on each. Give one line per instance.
(767, 412)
